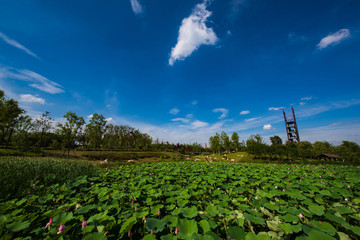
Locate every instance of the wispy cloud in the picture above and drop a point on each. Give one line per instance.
(244, 112)
(252, 119)
(14, 43)
(193, 33)
(199, 124)
(31, 99)
(183, 120)
(195, 102)
(174, 111)
(333, 38)
(306, 98)
(275, 108)
(109, 120)
(224, 112)
(136, 7)
(36, 80)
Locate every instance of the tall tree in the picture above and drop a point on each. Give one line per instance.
(276, 140)
(9, 113)
(235, 141)
(305, 149)
(225, 141)
(42, 126)
(70, 129)
(214, 142)
(95, 130)
(23, 129)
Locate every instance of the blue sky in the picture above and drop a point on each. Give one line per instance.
(183, 70)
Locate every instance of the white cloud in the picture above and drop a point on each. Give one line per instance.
(334, 38)
(183, 120)
(136, 7)
(193, 33)
(306, 98)
(190, 115)
(14, 43)
(251, 119)
(36, 80)
(194, 102)
(244, 112)
(174, 111)
(267, 127)
(275, 108)
(31, 98)
(199, 124)
(108, 120)
(302, 103)
(224, 112)
(90, 116)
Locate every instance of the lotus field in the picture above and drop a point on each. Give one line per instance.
(192, 200)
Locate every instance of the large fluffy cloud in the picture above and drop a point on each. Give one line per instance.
(193, 33)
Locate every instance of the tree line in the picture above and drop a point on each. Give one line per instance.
(21, 131)
(255, 145)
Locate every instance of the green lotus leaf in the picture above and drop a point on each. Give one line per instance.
(155, 224)
(290, 218)
(253, 219)
(343, 236)
(204, 226)
(325, 227)
(168, 237)
(62, 218)
(343, 210)
(317, 235)
(171, 221)
(316, 209)
(271, 206)
(187, 228)
(212, 210)
(149, 237)
(236, 233)
(18, 226)
(85, 209)
(287, 228)
(127, 225)
(189, 212)
(95, 236)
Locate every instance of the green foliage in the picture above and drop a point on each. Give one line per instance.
(17, 176)
(196, 200)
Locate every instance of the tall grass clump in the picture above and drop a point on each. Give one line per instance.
(19, 174)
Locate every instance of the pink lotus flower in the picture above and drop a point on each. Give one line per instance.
(49, 223)
(123, 189)
(348, 186)
(176, 231)
(129, 233)
(159, 212)
(83, 224)
(132, 201)
(300, 215)
(34, 185)
(61, 229)
(135, 208)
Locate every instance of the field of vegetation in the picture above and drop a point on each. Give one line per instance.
(191, 200)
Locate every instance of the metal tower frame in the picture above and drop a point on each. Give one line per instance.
(291, 127)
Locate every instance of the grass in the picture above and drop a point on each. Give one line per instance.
(17, 175)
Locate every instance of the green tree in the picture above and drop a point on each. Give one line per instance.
(235, 142)
(350, 151)
(276, 140)
(42, 127)
(23, 128)
(322, 148)
(256, 146)
(225, 141)
(214, 142)
(9, 113)
(305, 149)
(291, 149)
(95, 130)
(70, 129)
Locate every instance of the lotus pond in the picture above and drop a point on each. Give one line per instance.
(192, 200)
